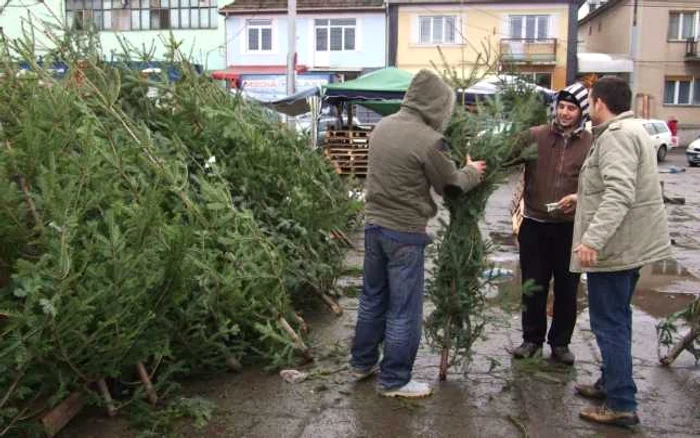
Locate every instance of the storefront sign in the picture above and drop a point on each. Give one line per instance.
(268, 88)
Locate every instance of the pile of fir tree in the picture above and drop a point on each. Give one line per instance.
(169, 229)
(495, 130)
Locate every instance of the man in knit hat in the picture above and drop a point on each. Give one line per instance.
(545, 236)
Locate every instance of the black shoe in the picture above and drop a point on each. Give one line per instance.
(563, 355)
(527, 350)
(594, 391)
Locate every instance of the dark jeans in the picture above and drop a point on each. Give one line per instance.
(609, 297)
(545, 251)
(391, 304)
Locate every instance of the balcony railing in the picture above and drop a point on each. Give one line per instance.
(525, 50)
(691, 50)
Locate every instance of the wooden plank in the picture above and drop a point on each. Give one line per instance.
(347, 134)
(346, 140)
(349, 157)
(347, 160)
(363, 151)
(57, 418)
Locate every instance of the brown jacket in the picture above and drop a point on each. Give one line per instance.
(408, 155)
(554, 174)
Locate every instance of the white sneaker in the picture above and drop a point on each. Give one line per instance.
(360, 375)
(412, 389)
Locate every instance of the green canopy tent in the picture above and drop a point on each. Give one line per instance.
(380, 90)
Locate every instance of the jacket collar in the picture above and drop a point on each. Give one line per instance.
(599, 129)
(558, 130)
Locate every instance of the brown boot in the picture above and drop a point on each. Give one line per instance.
(604, 415)
(594, 391)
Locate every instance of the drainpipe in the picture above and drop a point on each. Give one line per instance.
(634, 49)
(393, 33)
(572, 46)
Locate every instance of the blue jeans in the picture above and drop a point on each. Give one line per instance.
(609, 297)
(391, 304)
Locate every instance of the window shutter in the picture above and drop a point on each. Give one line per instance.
(673, 25)
(450, 29)
(424, 31)
(543, 27)
(516, 26)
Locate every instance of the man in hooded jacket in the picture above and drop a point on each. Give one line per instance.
(545, 236)
(407, 156)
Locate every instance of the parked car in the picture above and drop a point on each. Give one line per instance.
(693, 153)
(664, 141)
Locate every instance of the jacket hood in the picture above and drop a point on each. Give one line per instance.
(580, 93)
(432, 98)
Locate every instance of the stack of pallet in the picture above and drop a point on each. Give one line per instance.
(348, 150)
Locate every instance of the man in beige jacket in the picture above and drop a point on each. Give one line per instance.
(620, 226)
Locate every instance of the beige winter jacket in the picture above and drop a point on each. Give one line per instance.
(620, 210)
(408, 155)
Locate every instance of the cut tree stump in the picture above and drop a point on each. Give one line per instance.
(684, 344)
(102, 385)
(146, 379)
(334, 306)
(306, 353)
(57, 418)
(445, 354)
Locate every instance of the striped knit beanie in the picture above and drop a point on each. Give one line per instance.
(577, 94)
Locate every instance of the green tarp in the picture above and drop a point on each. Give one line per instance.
(380, 91)
(387, 80)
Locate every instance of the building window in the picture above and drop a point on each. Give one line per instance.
(682, 25)
(682, 92)
(541, 79)
(529, 27)
(437, 30)
(259, 35)
(335, 35)
(124, 15)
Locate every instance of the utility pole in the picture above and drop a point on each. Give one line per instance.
(292, 49)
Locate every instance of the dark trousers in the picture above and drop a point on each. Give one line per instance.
(545, 252)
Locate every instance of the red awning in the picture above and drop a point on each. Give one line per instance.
(234, 72)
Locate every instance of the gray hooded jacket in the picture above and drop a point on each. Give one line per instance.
(408, 155)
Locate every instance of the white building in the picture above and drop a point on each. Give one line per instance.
(143, 24)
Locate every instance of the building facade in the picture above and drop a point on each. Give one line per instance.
(661, 39)
(144, 25)
(535, 39)
(336, 40)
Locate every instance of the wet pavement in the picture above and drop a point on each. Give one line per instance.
(490, 397)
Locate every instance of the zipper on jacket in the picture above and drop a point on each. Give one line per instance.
(560, 170)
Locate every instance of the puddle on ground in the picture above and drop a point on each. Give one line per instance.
(664, 287)
(502, 240)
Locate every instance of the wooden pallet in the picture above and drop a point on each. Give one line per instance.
(348, 151)
(347, 134)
